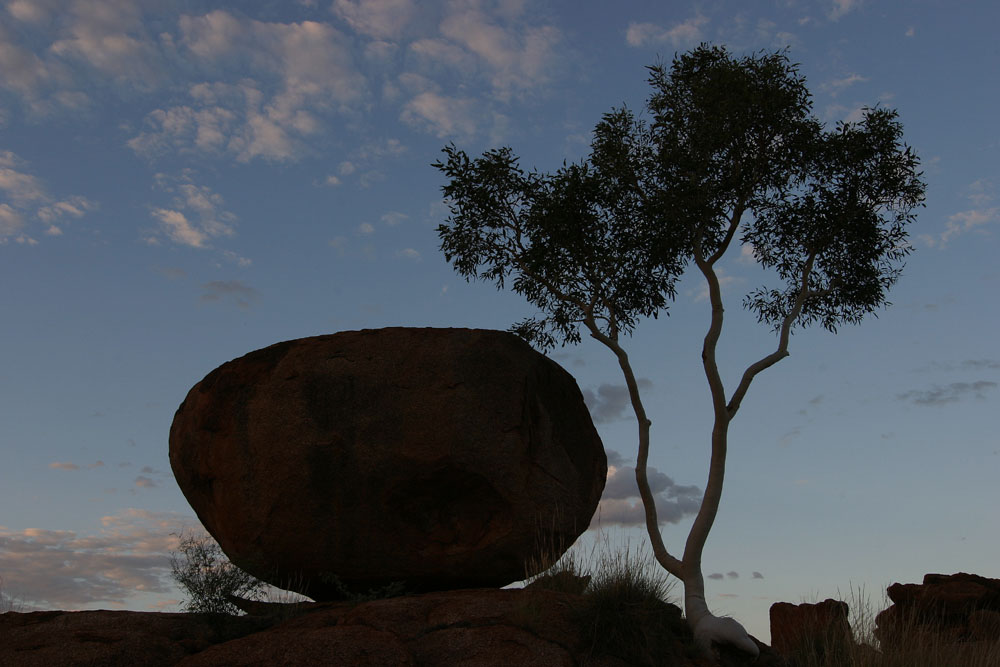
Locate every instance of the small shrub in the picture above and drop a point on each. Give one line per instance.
(7, 603)
(202, 569)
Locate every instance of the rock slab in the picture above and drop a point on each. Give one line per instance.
(470, 628)
(945, 608)
(430, 459)
(811, 629)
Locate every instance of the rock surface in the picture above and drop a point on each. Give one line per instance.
(469, 628)
(957, 608)
(430, 458)
(815, 629)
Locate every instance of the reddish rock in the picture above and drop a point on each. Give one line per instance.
(810, 629)
(474, 628)
(430, 457)
(78, 638)
(944, 609)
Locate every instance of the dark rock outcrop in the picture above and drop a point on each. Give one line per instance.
(475, 628)
(427, 459)
(956, 608)
(820, 629)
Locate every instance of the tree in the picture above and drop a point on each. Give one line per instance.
(208, 577)
(732, 150)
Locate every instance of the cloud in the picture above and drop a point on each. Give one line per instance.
(383, 19)
(11, 222)
(25, 192)
(843, 7)
(518, 57)
(442, 115)
(217, 290)
(680, 35)
(64, 466)
(145, 482)
(196, 214)
(716, 576)
(621, 504)
(951, 393)
(733, 575)
(960, 223)
(758, 575)
(393, 218)
(409, 253)
(302, 72)
(725, 280)
(837, 86)
(59, 569)
(611, 401)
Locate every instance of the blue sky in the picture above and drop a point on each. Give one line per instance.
(182, 182)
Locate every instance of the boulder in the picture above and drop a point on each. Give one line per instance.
(957, 608)
(820, 629)
(474, 628)
(416, 458)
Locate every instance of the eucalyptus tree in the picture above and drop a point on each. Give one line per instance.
(731, 155)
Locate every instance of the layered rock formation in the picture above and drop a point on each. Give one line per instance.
(956, 608)
(427, 459)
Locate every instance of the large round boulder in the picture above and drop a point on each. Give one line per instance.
(423, 459)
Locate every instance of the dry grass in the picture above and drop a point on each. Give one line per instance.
(917, 650)
(8, 603)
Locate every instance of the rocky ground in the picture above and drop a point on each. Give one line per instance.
(479, 627)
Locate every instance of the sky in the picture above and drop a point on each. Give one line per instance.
(183, 182)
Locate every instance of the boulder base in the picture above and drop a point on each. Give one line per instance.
(424, 459)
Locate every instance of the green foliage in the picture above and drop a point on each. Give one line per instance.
(732, 147)
(202, 569)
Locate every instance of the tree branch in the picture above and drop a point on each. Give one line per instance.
(669, 562)
(782, 351)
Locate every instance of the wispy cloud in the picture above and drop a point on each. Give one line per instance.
(195, 215)
(841, 8)
(26, 197)
(950, 393)
(238, 291)
(383, 19)
(686, 33)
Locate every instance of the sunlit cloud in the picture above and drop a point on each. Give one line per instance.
(62, 569)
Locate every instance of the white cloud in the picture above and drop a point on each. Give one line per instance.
(393, 218)
(179, 228)
(59, 569)
(725, 280)
(24, 192)
(839, 85)
(111, 37)
(680, 35)
(442, 115)
(383, 19)
(196, 214)
(366, 229)
(11, 222)
(409, 253)
(519, 58)
(960, 223)
(302, 72)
